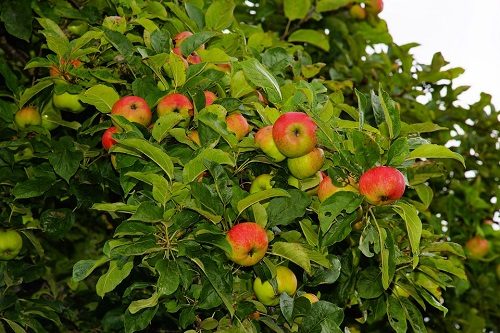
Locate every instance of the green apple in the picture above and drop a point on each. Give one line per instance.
(27, 116)
(358, 12)
(248, 241)
(261, 183)
(294, 134)
(11, 244)
(307, 165)
(68, 102)
(286, 282)
(264, 140)
(382, 185)
(50, 118)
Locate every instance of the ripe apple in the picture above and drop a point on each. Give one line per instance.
(311, 297)
(307, 165)
(286, 282)
(264, 140)
(237, 124)
(11, 244)
(261, 183)
(27, 116)
(357, 12)
(134, 109)
(107, 137)
(193, 58)
(210, 97)
(375, 6)
(326, 189)
(294, 134)
(382, 185)
(477, 247)
(68, 102)
(175, 102)
(248, 241)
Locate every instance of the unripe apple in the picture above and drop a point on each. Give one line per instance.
(238, 125)
(50, 117)
(11, 244)
(307, 165)
(210, 97)
(248, 241)
(326, 189)
(264, 140)
(78, 27)
(477, 247)
(358, 12)
(382, 185)
(27, 116)
(294, 134)
(261, 183)
(286, 282)
(107, 137)
(68, 102)
(175, 102)
(311, 297)
(134, 109)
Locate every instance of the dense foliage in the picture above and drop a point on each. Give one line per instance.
(134, 238)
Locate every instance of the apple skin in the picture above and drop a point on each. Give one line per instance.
(27, 116)
(311, 297)
(382, 185)
(134, 109)
(307, 165)
(294, 134)
(326, 189)
(210, 97)
(286, 282)
(78, 27)
(11, 244)
(357, 12)
(264, 140)
(68, 102)
(181, 36)
(48, 118)
(195, 137)
(477, 247)
(375, 6)
(175, 102)
(249, 242)
(107, 137)
(238, 125)
(261, 183)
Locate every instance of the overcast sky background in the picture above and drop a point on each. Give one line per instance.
(466, 32)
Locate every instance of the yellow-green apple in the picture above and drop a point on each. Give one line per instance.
(311, 297)
(210, 97)
(78, 27)
(50, 118)
(326, 189)
(134, 109)
(107, 137)
(294, 134)
(27, 116)
(357, 12)
(194, 136)
(68, 102)
(175, 102)
(374, 6)
(11, 244)
(264, 140)
(248, 241)
(382, 185)
(477, 247)
(286, 282)
(238, 125)
(307, 165)
(261, 183)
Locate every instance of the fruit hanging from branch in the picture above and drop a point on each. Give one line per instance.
(382, 185)
(248, 241)
(294, 134)
(134, 109)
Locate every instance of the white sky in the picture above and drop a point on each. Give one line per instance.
(466, 32)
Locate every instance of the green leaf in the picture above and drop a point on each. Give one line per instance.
(161, 188)
(260, 196)
(398, 152)
(425, 194)
(284, 210)
(121, 43)
(323, 317)
(17, 17)
(332, 207)
(57, 222)
(177, 68)
(192, 43)
(261, 77)
(65, 158)
(138, 305)
(164, 124)
(147, 211)
(312, 37)
(140, 246)
(153, 152)
(309, 233)
(139, 321)
(296, 9)
(84, 268)
(101, 96)
(169, 279)
(30, 92)
(32, 187)
(445, 247)
(14, 326)
(56, 39)
(409, 214)
(196, 166)
(115, 207)
(219, 15)
(446, 265)
(420, 128)
(294, 252)
(413, 315)
(328, 5)
(396, 315)
(286, 306)
(391, 113)
(366, 150)
(114, 276)
(435, 151)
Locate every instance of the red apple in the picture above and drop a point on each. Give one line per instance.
(477, 247)
(326, 188)
(180, 37)
(27, 116)
(382, 185)
(237, 124)
(194, 58)
(134, 109)
(210, 97)
(248, 241)
(307, 165)
(358, 12)
(264, 140)
(294, 134)
(107, 137)
(375, 6)
(175, 102)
